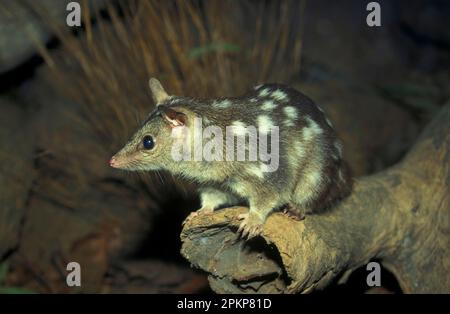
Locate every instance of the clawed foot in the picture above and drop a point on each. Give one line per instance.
(251, 226)
(201, 211)
(294, 215)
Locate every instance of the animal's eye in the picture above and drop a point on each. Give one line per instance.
(148, 142)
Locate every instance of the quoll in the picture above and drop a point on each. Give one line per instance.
(311, 175)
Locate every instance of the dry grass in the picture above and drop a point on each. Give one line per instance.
(206, 48)
(196, 48)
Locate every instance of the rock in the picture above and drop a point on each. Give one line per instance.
(21, 27)
(426, 32)
(428, 19)
(375, 132)
(154, 276)
(337, 38)
(413, 36)
(80, 210)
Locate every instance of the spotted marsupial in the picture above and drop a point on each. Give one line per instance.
(310, 177)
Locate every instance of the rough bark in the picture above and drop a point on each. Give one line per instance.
(400, 216)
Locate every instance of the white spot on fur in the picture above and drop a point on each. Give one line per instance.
(222, 104)
(205, 120)
(300, 151)
(256, 171)
(211, 199)
(265, 124)
(239, 128)
(239, 189)
(320, 109)
(311, 130)
(314, 178)
(338, 147)
(268, 105)
(329, 122)
(297, 155)
(341, 176)
(258, 86)
(264, 92)
(253, 99)
(279, 95)
(265, 168)
(290, 112)
(289, 123)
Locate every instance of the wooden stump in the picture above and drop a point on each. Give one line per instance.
(400, 216)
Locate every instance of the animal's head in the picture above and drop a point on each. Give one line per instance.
(151, 146)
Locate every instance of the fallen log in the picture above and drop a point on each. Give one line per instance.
(400, 216)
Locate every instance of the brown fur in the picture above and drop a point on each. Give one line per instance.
(311, 175)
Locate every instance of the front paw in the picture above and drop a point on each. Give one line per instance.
(201, 211)
(251, 226)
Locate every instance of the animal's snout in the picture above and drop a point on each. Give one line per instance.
(113, 162)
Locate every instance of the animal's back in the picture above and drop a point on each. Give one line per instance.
(311, 166)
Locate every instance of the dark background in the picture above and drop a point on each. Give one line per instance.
(70, 98)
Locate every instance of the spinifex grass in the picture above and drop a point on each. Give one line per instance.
(195, 48)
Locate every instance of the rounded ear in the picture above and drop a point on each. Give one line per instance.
(173, 117)
(158, 92)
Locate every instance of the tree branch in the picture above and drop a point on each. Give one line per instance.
(400, 216)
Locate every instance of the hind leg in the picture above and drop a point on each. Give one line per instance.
(306, 193)
(293, 212)
(261, 205)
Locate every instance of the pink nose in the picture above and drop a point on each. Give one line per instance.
(112, 162)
